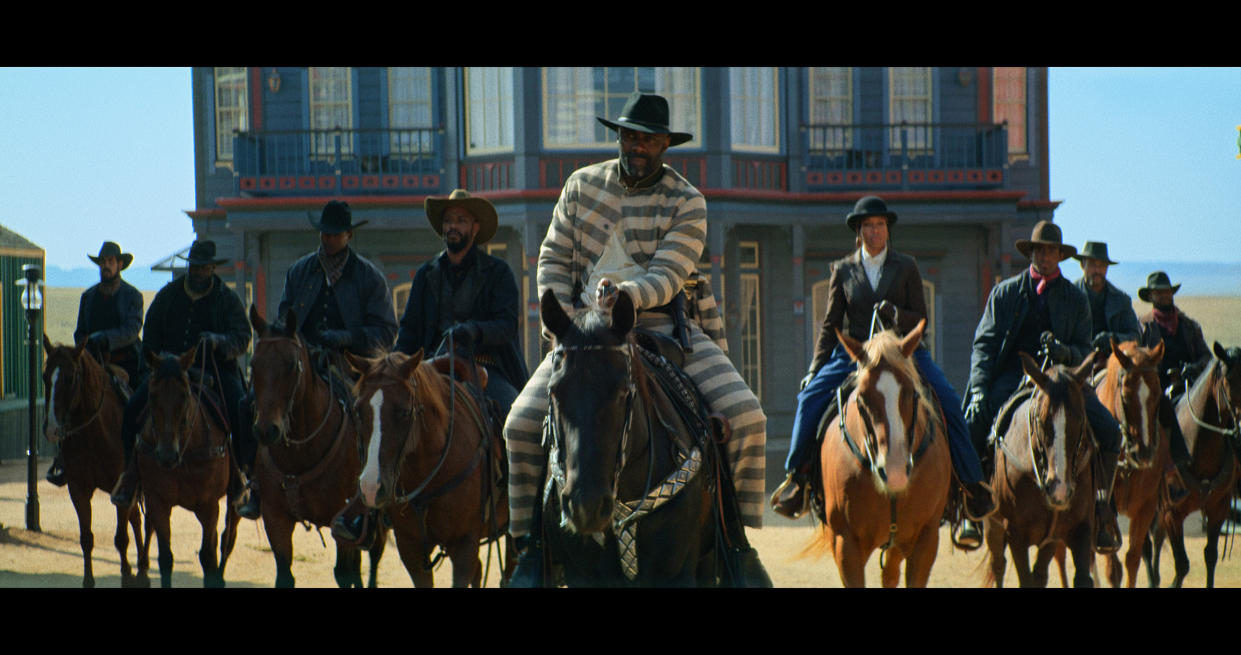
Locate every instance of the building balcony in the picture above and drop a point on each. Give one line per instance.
(338, 162)
(913, 156)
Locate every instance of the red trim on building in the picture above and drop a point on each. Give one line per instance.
(260, 286)
(984, 94)
(256, 98)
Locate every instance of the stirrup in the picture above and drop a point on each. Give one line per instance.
(789, 499)
(968, 536)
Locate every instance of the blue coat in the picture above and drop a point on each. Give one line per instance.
(1118, 306)
(361, 294)
(124, 335)
(1006, 310)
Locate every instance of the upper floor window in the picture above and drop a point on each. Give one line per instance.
(489, 105)
(331, 107)
(573, 97)
(232, 110)
(831, 107)
(1010, 105)
(755, 109)
(409, 106)
(909, 101)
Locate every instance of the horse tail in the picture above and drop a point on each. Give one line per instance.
(988, 576)
(820, 544)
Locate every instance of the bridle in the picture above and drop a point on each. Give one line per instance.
(297, 387)
(1124, 415)
(1038, 454)
(76, 378)
(1224, 406)
(870, 441)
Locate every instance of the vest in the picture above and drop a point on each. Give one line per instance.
(324, 314)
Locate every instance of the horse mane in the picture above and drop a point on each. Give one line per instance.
(886, 346)
(594, 327)
(431, 389)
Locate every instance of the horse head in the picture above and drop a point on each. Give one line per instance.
(1057, 429)
(590, 392)
(276, 374)
(402, 414)
(888, 403)
(170, 405)
(1131, 390)
(63, 372)
(1230, 370)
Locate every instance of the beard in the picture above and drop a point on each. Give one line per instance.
(106, 275)
(636, 166)
(198, 285)
(1167, 309)
(455, 242)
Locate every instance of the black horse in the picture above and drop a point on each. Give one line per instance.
(631, 491)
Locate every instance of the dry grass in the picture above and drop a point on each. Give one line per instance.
(1220, 316)
(60, 311)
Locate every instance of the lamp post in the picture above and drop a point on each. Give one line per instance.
(32, 302)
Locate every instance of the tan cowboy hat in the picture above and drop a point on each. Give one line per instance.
(481, 208)
(1045, 233)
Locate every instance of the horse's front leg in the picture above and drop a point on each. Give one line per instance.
(996, 541)
(86, 537)
(376, 553)
(348, 569)
(158, 521)
(1215, 513)
(208, 519)
(850, 561)
(415, 557)
(1080, 547)
(1021, 563)
(1138, 541)
(467, 571)
(1176, 539)
(134, 518)
(279, 531)
(922, 557)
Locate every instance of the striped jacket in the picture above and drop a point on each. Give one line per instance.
(665, 232)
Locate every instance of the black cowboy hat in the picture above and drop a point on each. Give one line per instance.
(110, 249)
(1156, 280)
(647, 112)
(867, 207)
(481, 208)
(1094, 250)
(202, 253)
(336, 218)
(1046, 233)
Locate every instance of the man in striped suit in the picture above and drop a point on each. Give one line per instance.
(637, 223)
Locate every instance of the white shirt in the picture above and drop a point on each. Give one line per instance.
(874, 266)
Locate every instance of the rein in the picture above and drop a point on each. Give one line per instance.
(1223, 402)
(77, 394)
(1124, 416)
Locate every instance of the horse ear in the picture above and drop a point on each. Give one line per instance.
(186, 359)
(910, 343)
(290, 323)
(1219, 351)
(1082, 372)
(359, 364)
(256, 321)
(553, 315)
(624, 315)
(47, 344)
(410, 365)
(152, 359)
(1125, 360)
(1032, 369)
(852, 346)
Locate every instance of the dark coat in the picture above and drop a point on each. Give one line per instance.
(122, 337)
(1118, 306)
(1186, 328)
(851, 300)
(496, 309)
(1007, 307)
(170, 328)
(361, 294)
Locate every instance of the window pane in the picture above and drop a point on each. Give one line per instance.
(490, 108)
(754, 107)
(409, 106)
(231, 109)
(331, 107)
(1010, 105)
(573, 97)
(831, 105)
(909, 100)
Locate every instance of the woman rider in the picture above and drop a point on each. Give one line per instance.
(874, 278)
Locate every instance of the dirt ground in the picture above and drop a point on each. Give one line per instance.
(52, 557)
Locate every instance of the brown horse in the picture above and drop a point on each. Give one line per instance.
(84, 417)
(431, 461)
(1044, 479)
(308, 457)
(1210, 418)
(885, 466)
(184, 459)
(1130, 391)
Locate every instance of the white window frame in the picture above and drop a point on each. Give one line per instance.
(571, 103)
(489, 110)
(754, 103)
(329, 93)
(410, 106)
(232, 109)
(903, 104)
(829, 107)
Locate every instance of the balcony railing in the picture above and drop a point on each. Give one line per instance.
(906, 155)
(359, 161)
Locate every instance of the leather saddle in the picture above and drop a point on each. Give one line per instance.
(462, 369)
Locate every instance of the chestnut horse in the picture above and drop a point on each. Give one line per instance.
(84, 417)
(1044, 479)
(1210, 418)
(307, 465)
(184, 459)
(885, 466)
(431, 461)
(1130, 391)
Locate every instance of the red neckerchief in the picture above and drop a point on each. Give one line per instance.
(1043, 280)
(1168, 320)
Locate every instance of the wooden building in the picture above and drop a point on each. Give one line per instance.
(781, 155)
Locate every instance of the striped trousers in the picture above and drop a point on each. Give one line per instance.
(718, 381)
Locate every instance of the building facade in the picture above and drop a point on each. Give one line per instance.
(781, 155)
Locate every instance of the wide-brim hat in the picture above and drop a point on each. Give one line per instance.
(1094, 250)
(109, 249)
(1156, 280)
(865, 208)
(336, 218)
(1046, 233)
(646, 112)
(481, 208)
(202, 253)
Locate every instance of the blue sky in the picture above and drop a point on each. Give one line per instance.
(1144, 159)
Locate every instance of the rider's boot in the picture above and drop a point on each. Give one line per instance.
(528, 574)
(355, 524)
(979, 502)
(252, 507)
(789, 499)
(127, 486)
(1107, 529)
(56, 473)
